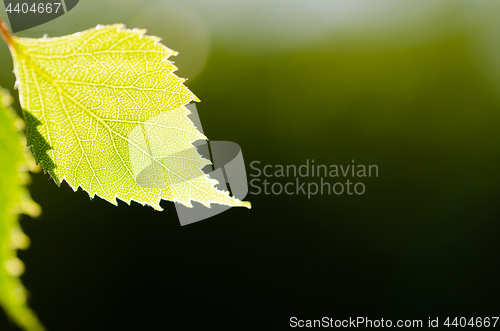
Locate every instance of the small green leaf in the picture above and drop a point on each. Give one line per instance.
(104, 111)
(14, 200)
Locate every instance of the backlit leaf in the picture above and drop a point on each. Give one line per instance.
(104, 111)
(14, 200)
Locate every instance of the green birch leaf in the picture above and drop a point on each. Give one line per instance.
(14, 200)
(104, 111)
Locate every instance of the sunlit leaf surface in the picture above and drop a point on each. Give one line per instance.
(104, 111)
(14, 200)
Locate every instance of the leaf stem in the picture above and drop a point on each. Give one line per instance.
(5, 33)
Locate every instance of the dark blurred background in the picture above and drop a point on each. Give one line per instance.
(413, 87)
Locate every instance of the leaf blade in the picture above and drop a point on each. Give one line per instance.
(109, 115)
(14, 200)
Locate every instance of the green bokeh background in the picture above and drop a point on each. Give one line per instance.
(413, 88)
